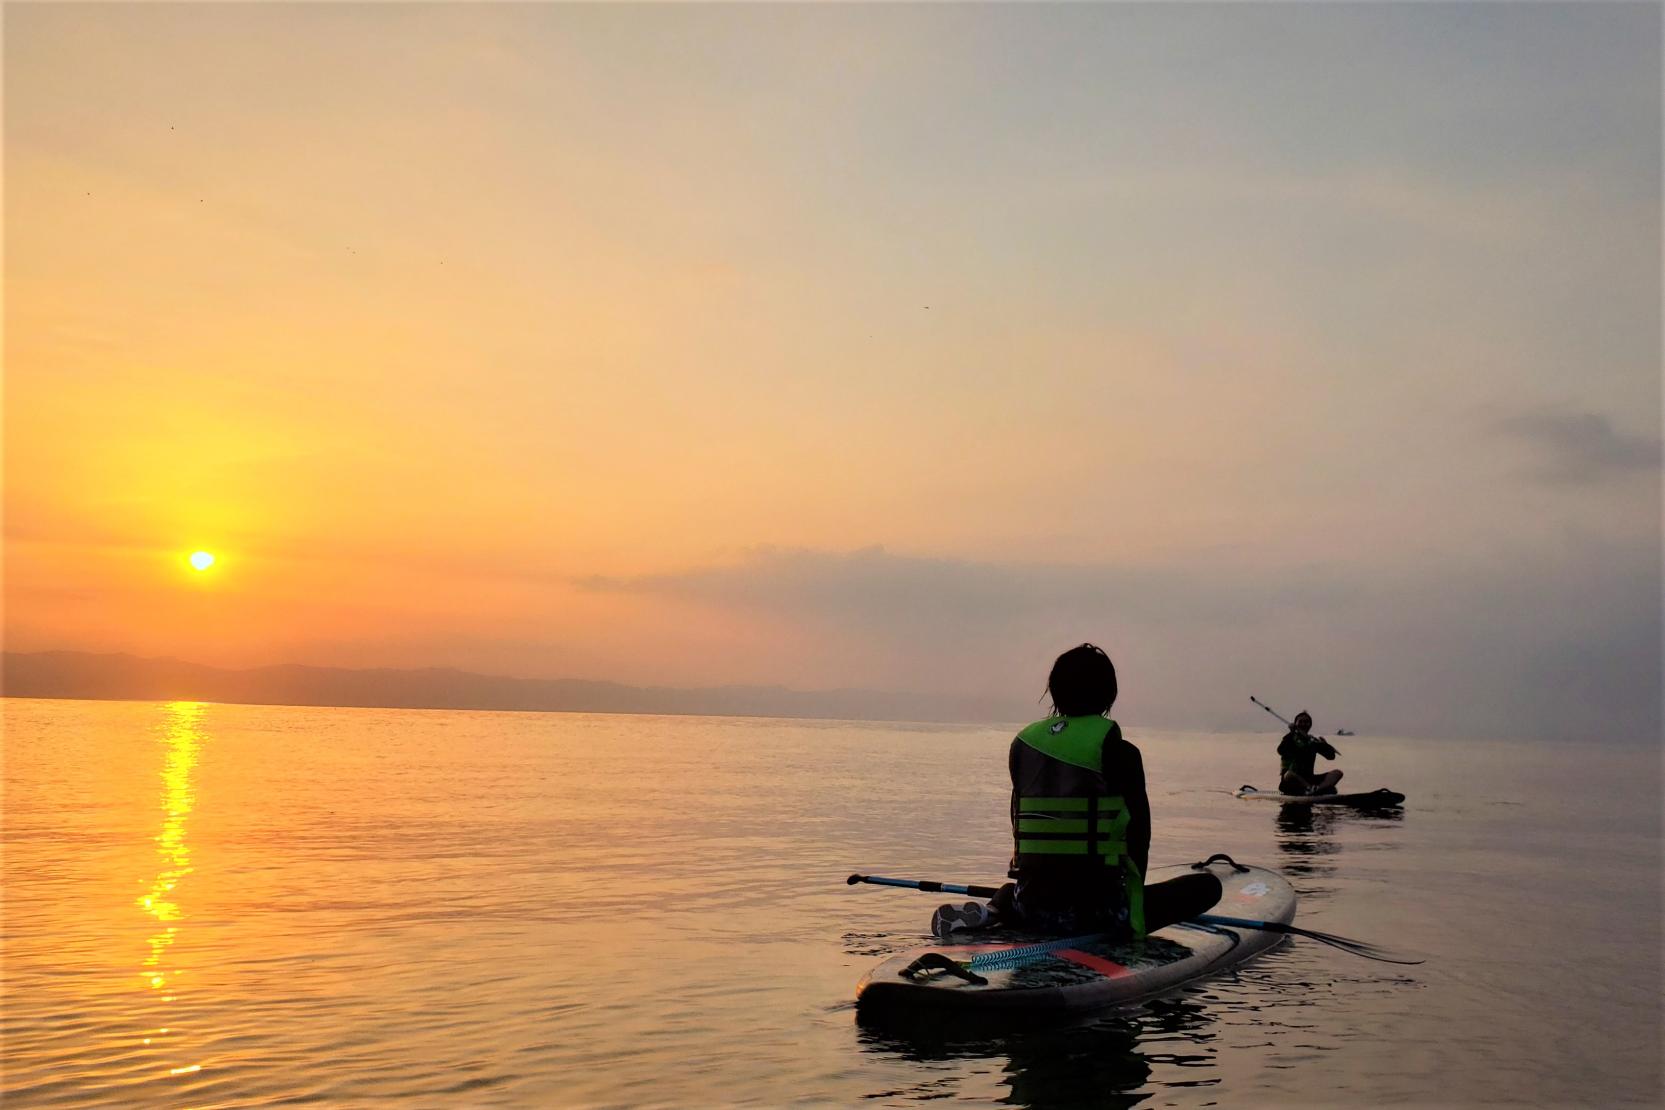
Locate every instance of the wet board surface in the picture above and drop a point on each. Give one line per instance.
(1091, 973)
(1379, 798)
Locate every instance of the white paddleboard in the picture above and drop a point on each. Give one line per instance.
(1090, 973)
(1381, 798)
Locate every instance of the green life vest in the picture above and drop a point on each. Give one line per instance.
(1073, 819)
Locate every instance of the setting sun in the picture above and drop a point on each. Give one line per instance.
(201, 560)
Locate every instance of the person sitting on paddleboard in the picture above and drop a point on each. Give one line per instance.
(1081, 823)
(1297, 753)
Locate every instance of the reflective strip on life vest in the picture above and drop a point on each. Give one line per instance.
(1033, 823)
(1110, 848)
(1047, 805)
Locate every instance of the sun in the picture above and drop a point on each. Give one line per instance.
(200, 560)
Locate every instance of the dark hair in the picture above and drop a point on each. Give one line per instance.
(1082, 682)
(1303, 714)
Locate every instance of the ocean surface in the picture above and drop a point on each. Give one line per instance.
(221, 905)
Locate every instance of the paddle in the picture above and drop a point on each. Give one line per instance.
(1346, 944)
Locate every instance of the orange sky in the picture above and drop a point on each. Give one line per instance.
(613, 342)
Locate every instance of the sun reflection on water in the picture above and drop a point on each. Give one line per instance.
(181, 740)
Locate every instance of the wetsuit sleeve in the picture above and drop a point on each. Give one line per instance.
(1125, 775)
(1325, 750)
(1012, 773)
(1138, 810)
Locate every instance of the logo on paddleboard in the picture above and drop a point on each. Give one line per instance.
(1255, 890)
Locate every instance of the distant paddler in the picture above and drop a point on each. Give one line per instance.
(1298, 751)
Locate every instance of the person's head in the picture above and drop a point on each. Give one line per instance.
(1303, 721)
(1082, 682)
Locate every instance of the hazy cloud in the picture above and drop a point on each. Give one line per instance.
(1541, 646)
(878, 590)
(1579, 448)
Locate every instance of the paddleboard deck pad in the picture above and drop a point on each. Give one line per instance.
(1046, 974)
(1379, 798)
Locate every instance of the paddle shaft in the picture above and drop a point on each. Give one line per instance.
(926, 884)
(1357, 948)
(1244, 923)
(1272, 711)
(989, 892)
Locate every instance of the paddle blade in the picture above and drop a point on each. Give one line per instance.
(1356, 947)
(1346, 944)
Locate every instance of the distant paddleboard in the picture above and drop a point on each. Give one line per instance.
(1380, 798)
(1028, 975)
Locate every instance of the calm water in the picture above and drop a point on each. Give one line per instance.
(217, 905)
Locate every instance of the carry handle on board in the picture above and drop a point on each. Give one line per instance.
(936, 961)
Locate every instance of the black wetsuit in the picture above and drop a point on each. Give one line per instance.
(1297, 753)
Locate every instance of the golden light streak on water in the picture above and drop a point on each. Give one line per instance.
(181, 740)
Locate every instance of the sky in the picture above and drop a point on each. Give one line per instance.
(1308, 351)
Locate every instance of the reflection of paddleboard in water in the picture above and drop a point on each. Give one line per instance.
(1379, 798)
(1083, 973)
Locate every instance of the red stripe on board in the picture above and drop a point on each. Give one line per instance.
(1110, 969)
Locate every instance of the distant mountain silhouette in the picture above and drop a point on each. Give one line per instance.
(85, 675)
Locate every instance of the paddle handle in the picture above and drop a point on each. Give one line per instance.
(1242, 922)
